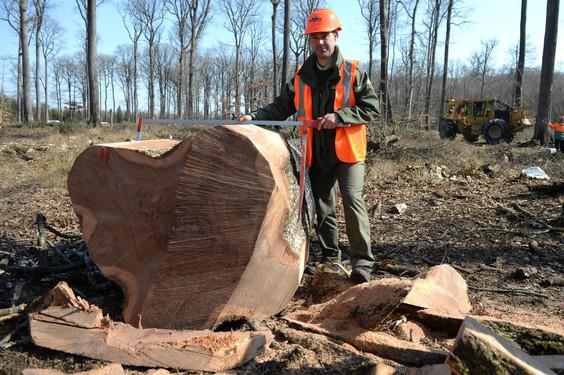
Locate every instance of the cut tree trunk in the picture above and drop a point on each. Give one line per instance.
(74, 326)
(204, 233)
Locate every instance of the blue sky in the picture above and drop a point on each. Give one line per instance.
(485, 19)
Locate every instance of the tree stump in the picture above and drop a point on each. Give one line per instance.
(205, 232)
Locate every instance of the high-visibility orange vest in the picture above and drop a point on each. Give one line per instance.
(350, 142)
(557, 126)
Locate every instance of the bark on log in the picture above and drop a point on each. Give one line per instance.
(203, 233)
(478, 350)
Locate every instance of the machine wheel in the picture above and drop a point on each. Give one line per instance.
(471, 137)
(495, 131)
(447, 129)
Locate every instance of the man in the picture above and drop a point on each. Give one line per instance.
(558, 133)
(340, 96)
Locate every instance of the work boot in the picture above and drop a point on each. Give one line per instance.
(361, 274)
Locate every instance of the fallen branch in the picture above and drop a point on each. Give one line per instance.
(535, 219)
(56, 232)
(43, 269)
(490, 268)
(508, 290)
(461, 269)
(13, 309)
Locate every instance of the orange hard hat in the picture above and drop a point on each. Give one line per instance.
(322, 21)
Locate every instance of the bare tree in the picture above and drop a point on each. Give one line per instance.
(94, 104)
(481, 62)
(199, 12)
(432, 35)
(58, 78)
(240, 14)
(547, 70)
(286, 53)
(411, 56)
(370, 12)
(445, 60)
(125, 76)
(180, 10)
(522, 49)
(150, 14)
(40, 7)
(254, 46)
(27, 115)
(384, 33)
(274, 59)
(10, 12)
(134, 31)
(51, 30)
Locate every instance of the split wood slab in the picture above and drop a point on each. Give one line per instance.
(89, 334)
(197, 232)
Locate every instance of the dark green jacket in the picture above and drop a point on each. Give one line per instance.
(323, 94)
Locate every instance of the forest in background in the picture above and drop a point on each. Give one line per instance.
(165, 73)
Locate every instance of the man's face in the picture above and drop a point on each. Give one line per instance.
(323, 44)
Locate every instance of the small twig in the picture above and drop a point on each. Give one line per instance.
(68, 236)
(535, 219)
(507, 290)
(461, 269)
(444, 255)
(13, 309)
(42, 220)
(43, 269)
(489, 268)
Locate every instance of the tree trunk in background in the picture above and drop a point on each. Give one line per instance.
(368, 10)
(198, 20)
(409, 97)
(91, 64)
(274, 68)
(521, 62)
(27, 115)
(547, 70)
(445, 61)
(385, 101)
(19, 90)
(286, 54)
(45, 91)
(433, 36)
(39, 6)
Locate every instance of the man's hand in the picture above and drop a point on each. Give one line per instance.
(329, 121)
(244, 118)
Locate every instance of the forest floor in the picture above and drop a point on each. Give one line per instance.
(468, 205)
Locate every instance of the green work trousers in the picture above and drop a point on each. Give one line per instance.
(351, 179)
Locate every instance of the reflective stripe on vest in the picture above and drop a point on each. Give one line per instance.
(350, 142)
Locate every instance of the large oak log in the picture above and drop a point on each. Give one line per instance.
(203, 233)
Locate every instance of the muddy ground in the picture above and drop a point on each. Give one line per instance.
(467, 205)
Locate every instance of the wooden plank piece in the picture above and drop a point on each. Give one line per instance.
(121, 343)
